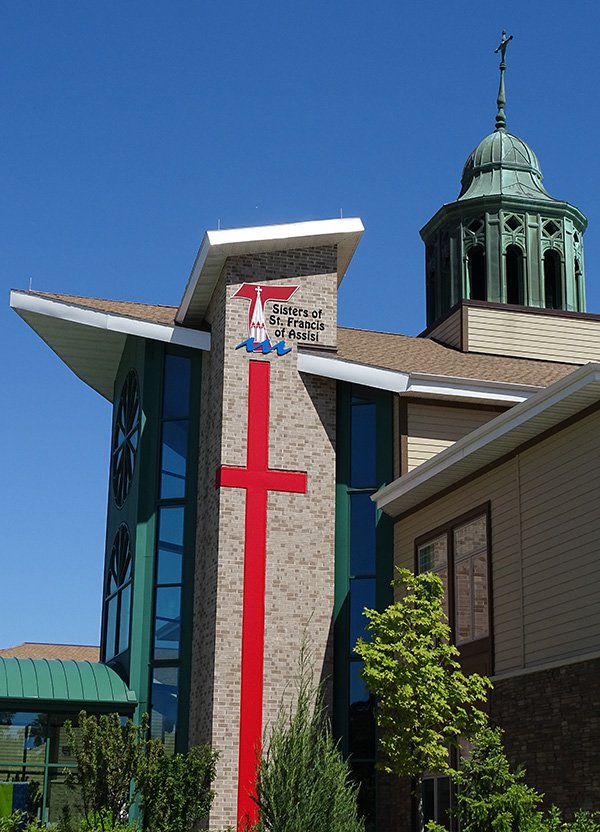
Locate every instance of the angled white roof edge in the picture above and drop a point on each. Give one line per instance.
(321, 365)
(227, 242)
(21, 301)
(397, 381)
(490, 431)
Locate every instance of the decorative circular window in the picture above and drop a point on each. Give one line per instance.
(126, 435)
(119, 570)
(117, 595)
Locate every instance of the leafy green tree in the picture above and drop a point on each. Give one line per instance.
(303, 782)
(174, 791)
(425, 703)
(108, 757)
(491, 797)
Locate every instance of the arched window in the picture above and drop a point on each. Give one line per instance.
(476, 271)
(578, 286)
(515, 285)
(117, 595)
(552, 280)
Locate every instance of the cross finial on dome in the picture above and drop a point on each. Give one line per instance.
(500, 115)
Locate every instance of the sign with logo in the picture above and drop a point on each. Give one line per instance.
(296, 323)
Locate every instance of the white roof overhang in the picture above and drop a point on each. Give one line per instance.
(414, 384)
(217, 246)
(496, 439)
(91, 342)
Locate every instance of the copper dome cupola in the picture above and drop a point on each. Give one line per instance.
(505, 239)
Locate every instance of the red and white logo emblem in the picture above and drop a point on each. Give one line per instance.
(259, 295)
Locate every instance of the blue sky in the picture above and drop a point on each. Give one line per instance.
(130, 127)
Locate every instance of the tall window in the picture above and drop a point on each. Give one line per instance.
(170, 549)
(363, 571)
(578, 292)
(476, 272)
(459, 554)
(515, 284)
(117, 594)
(362, 594)
(552, 280)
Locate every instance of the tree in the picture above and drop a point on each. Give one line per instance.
(491, 797)
(107, 754)
(425, 703)
(174, 791)
(303, 783)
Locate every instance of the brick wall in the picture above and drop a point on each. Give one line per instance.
(551, 721)
(300, 527)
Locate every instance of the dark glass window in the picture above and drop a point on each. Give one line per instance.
(174, 457)
(363, 457)
(117, 609)
(163, 705)
(176, 399)
(515, 285)
(166, 622)
(462, 551)
(476, 271)
(363, 512)
(362, 596)
(552, 280)
(436, 800)
(170, 545)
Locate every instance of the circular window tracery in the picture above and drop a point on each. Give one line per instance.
(118, 595)
(125, 440)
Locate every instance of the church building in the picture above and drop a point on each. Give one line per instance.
(268, 468)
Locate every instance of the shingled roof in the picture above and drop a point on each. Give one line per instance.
(139, 311)
(405, 353)
(409, 354)
(64, 652)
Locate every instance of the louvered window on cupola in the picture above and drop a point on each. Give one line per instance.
(476, 273)
(552, 280)
(515, 284)
(578, 287)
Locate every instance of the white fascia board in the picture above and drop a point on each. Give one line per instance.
(218, 245)
(110, 321)
(473, 388)
(319, 365)
(496, 428)
(398, 382)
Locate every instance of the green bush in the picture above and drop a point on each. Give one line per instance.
(174, 791)
(303, 782)
(491, 797)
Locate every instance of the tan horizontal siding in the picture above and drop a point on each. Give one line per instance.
(530, 335)
(545, 510)
(433, 428)
(449, 331)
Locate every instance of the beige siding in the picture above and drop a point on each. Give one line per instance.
(431, 428)
(530, 335)
(545, 515)
(449, 331)
(500, 487)
(560, 508)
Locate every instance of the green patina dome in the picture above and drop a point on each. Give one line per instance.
(502, 164)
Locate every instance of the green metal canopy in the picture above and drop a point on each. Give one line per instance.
(75, 683)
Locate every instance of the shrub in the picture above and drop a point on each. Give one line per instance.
(303, 782)
(174, 791)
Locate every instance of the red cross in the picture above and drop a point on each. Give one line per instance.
(257, 478)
